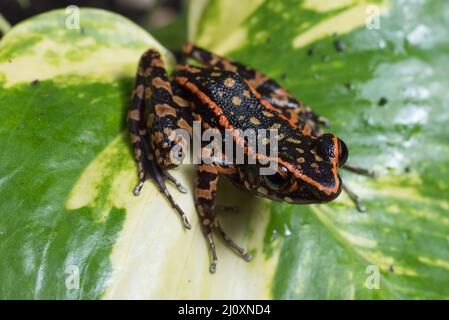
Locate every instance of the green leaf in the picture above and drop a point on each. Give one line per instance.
(64, 94)
(67, 212)
(70, 225)
(332, 251)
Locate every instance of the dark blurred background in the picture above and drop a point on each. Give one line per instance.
(164, 19)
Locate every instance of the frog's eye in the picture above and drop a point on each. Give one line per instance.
(278, 181)
(342, 153)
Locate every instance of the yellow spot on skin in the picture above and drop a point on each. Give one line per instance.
(227, 65)
(265, 141)
(157, 63)
(148, 92)
(254, 120)
(241, 118)
(262, 190)
(280, 136)
(134, 138)
(140, 71)
(314, 165)
(301, 160)
(161, 83)
(276, 126)
(193, 69)
(158, 137)
(215, 74)
(267, 114)
(165, 110)
(246, 93)
(134, 115)
(300, 150)
(139, 91)
(138, 154)
(181, 101)
(150, 120)
(236, 100)
(229, 82)
(206, 222)
(293, 140)
(318, 158)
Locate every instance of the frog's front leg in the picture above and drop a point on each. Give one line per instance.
(153, 98)
(205, 196)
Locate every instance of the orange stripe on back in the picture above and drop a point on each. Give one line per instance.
(183, 81)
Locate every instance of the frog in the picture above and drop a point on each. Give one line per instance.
(223, 94)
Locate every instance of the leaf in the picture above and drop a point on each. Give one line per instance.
(332, 251)
(64, 94)
(67, 172)
(70, 226)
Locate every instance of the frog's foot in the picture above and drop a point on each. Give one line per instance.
(168, 176)
(210, 239)
(213, 251)
(160, 176)
(355, 198)
(138, 188)
(239, 250)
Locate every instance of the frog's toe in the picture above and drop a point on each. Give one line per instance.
(186, 222)
(181, 188)
(213, 267)
(248, 257)
(138, 188)
(355, 198)
(175, 181)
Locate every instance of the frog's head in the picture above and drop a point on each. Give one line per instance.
(306, 171)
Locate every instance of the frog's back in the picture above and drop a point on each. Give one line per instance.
(231, 100)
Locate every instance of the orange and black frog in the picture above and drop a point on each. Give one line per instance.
(292, 161)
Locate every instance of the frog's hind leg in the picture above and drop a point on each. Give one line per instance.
(269, 89)
(154, 100)
(205, 196)
(137, 128)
